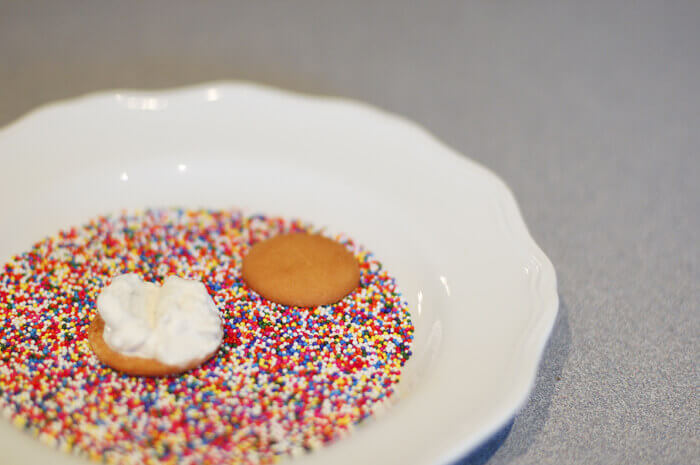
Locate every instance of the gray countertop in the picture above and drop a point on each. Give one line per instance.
(589, 110)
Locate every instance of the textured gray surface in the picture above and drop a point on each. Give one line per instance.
(589, 110)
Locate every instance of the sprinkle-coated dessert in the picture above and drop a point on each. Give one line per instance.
(285, 380)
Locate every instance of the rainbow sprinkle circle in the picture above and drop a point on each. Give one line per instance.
(285, 380)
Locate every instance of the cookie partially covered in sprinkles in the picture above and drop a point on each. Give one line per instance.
(286, 379)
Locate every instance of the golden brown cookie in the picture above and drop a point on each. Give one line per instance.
(136, 366)
(299, 269)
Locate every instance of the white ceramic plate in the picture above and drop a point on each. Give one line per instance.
(482, 294)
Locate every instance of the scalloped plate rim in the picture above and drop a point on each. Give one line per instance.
(545, 299)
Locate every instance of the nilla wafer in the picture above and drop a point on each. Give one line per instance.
(299, 269)
(136, 366)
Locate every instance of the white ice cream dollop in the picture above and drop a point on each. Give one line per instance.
(176, 323)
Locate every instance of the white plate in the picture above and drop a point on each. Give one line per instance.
(482, 294)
